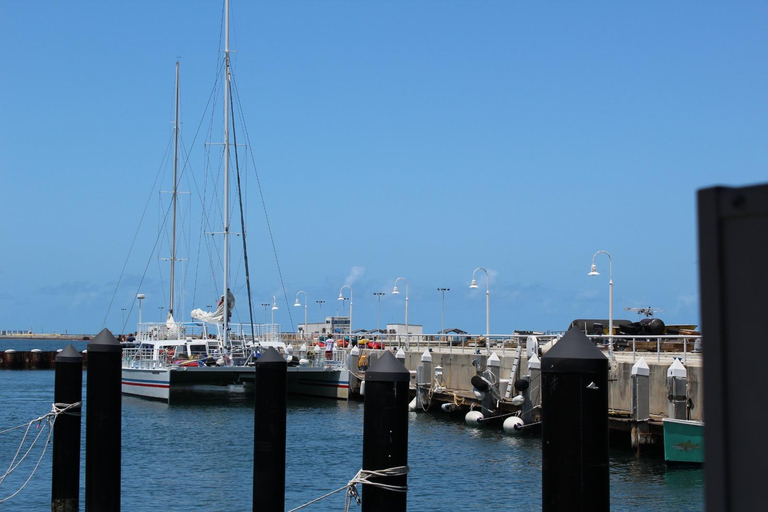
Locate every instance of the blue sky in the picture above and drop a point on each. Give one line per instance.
(391, 139)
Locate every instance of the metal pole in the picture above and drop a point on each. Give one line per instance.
(265, 304)
(378, 319)
(442, 319)
(225, 333)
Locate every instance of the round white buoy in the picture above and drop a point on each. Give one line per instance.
(513, 425)
(473, 418)
(362, 388)
(303, 362)
(449, 407)
(35, 350)
(518, 400)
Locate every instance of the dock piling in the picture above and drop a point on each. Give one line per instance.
(269, 432)
(640, 404)
(102, 424)
(385, 433)
(574, 426)
(68, 389)
(677, 378)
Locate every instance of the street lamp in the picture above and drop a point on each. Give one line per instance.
(265, 305)
(342, 298)
(487, 306)
(298, 305)
(274, 308)
(594, 272)
(140, 296)
(378, 321)
(396, 292)
(320, 302)
(442, 321)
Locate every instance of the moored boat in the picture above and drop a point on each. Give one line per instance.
(211, 350)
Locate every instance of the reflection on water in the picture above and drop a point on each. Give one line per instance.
(197, 454)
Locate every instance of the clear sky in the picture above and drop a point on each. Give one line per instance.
(392, 139)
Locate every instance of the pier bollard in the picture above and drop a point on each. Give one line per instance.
(14, 360)
(353, 365)
(269, 432)
(677, 378)
(385, 432)
(102, 424)
(574, 426)
(640, 403)
(68, 389)
(424, 380)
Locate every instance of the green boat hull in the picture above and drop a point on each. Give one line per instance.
(683, 441)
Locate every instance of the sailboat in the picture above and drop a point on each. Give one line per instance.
(211, 350)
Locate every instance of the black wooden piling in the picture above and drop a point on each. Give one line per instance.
(269, 432)
(574, 426)
(68, 389)
(102, 424)
(385, 432)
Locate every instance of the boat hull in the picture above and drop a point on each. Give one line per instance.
(320, 382)
(146, 383)
(159, 384)
(683, 441)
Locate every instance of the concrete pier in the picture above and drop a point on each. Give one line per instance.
(458, 369)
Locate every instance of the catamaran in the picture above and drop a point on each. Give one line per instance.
(211, 350)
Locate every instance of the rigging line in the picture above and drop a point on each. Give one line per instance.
(242, 220)
(263, 204)
(146, 206)
(136, 234)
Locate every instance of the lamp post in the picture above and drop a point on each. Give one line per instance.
(487, 306)
(378, 318)
(274, 308)
(594, 272)
(442, 319)
(320, 318)
(396, 292)
(265, 305)
(342, 298)
(140, 296)
(298, 305)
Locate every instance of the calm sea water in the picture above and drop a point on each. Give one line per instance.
(198, 455)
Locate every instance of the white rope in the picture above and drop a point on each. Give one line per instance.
(47, 421)
(362, 477)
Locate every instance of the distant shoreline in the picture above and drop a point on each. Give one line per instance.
(39, 336)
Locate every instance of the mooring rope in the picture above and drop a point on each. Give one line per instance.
(47, 420)
(362, 477)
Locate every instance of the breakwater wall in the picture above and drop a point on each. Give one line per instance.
(31, 359)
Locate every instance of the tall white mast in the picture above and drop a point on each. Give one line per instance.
(175, 194)
(226, 172)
